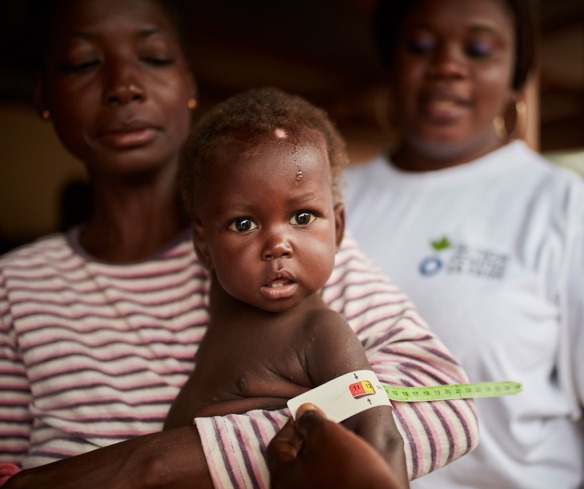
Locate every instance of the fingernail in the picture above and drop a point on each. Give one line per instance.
(305, 408)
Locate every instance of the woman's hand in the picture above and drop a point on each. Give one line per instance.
(315, 452)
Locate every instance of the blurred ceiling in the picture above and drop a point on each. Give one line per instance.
(322, 49)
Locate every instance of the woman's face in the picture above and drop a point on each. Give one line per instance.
(117, 85)
(452, 76)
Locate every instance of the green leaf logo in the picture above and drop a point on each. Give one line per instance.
(441, 244)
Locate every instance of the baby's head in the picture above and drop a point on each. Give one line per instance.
(261, 179)
(246, 117)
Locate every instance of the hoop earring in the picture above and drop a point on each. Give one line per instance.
(500, 127)
(45, 115)
(519, 120)
(192, 103)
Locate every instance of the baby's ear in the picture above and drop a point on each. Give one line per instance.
(200, 244)
(339, 223)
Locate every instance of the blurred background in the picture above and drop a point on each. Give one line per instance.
(320, 49)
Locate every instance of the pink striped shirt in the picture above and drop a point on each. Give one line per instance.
(93, 353)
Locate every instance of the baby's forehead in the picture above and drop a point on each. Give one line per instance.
(295, 137)
(292, 142)
(273, 146)
(280, 133)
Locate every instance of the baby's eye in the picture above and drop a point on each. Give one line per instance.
(303, 218)
(243, 225)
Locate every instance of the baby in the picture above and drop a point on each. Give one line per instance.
(261, 179)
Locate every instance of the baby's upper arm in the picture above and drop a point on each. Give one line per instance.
(334, 350)
(331, 347)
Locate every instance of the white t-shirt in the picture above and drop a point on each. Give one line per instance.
(492, 254)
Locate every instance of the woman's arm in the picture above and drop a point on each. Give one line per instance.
(169, 459)
(402, 350)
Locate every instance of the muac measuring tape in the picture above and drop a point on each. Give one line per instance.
(452, 391)
(357, 391)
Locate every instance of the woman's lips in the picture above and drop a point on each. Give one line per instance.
(443, 108)
(128, 138)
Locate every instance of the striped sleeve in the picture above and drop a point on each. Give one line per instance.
(15, 419)
(103, 349)
(401, 349)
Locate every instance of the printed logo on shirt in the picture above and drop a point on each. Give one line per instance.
(460, 258)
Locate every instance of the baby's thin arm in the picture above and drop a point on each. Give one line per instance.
(335, 350)
(331, 347)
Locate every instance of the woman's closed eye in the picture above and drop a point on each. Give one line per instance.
(158, 60)
(79, 67)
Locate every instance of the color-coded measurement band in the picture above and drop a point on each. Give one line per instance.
(452, 391)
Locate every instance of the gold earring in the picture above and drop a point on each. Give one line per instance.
(192, 103)
(500, 127)
(45, 115)
(519, 120)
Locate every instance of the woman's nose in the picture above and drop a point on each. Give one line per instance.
(448, 61)
(122, 85)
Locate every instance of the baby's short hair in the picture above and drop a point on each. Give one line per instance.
(249, 114)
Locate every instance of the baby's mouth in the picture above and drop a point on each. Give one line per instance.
(279, 282)
(279, 287)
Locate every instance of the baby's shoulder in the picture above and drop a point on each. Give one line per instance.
(325, 325)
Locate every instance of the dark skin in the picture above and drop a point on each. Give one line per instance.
(452, 75)
(333, 455)
(117, 86)
(120, 66)
(269, 326)
(170, 459)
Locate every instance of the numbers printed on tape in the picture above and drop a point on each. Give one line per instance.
(452, 391)
(344, 396)
(354, 392)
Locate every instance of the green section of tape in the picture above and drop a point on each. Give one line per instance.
(452, 391)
